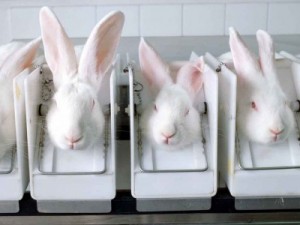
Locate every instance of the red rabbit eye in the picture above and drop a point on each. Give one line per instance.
(187, 112)
(155, 108)
(93, 104)
(253, 105)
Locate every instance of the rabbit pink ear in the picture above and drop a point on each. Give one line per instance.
(266, 53)
(245, 62)
(59, 50)
(190, 76)
(21, 59)
(100, 48)
(153, 68)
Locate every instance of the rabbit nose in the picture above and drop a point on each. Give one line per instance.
(276, 131)
(73, 139)
(168, 135)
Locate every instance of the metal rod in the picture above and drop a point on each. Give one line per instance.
(158, 218)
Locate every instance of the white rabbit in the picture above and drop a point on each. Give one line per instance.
(263, 112)
(75, 119)
(170, 121)
(14, 58)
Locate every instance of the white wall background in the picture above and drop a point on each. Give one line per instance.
(19, 18)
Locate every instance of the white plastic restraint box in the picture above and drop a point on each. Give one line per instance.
(14, 175)
(67, 181)
(174, 180)
(259, 176)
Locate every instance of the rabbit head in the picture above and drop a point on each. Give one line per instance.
(75, 119)
(15, 57)
(171, 120)
(263, 112)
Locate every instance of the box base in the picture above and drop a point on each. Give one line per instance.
(266, 203)
(9, 206)
(155, 205)
(74, 206)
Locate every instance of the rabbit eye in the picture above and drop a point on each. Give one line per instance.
(93, 104)
(155, 108)
(253, 105)
(187, 112)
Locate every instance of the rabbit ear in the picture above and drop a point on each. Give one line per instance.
(21, 59)
(266, 53)
(99, 50)
(190, 76)
(153, 68)
(59, 51)
(245, 62)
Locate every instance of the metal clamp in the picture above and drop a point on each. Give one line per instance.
(219, 68)
(129, 66)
